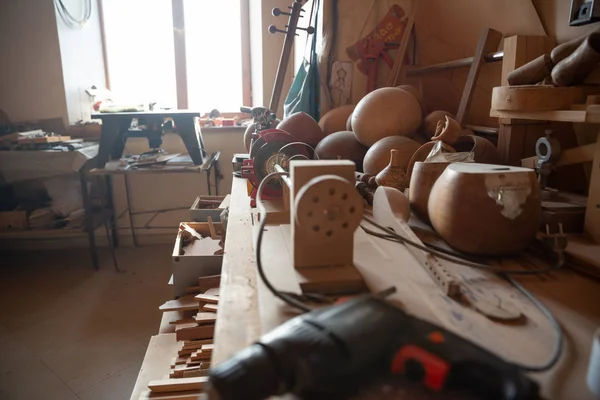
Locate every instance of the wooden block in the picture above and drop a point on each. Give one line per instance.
(196, 344)
(177, 385)
(204, 318)
(186, 395)
(178, 372)
(537, 97)
(212, 291)
(208, 347)
(195, 373)
(182, 321)
(331, 280)
(205, 365)
(179, 327)
(179, 361)
(210, 307)
(207, 282)
(185, 352)
(206, 298)
(198, 332)
(180, 304)
(201, 356)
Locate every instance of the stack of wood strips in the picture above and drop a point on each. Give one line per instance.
(190, 366)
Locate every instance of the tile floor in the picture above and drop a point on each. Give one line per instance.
(67, 332)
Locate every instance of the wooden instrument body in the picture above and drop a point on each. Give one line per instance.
(424, 175)
(486, 209)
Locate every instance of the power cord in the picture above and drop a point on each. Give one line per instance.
(443, 254)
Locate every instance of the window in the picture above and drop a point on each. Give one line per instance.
(139, 37)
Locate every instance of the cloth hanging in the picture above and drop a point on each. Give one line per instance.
(304, 92)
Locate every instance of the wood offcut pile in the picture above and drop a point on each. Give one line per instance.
(194, 333)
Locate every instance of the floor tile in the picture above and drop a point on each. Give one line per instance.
(117, 386)
(33, 381)
(13, 354)
(91, 360)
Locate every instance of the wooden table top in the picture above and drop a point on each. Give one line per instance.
(572, 298)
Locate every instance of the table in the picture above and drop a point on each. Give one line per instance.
(211, 164)
(572, 298)
(116, 128)
(17, 166)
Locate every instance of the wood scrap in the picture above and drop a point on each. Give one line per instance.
(201, 355)
(206, 298)
(178, 372)
(181, 304)
(183, 321)
(211, 229)
(198, 332)
(202, 247)
(204, 318)
(212, 291)
(187, 395)
(196, 373)
(179, 327)
(177, 385)
(210, 307)
(196, 343)
(207, 282)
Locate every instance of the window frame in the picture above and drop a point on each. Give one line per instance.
(180, 54)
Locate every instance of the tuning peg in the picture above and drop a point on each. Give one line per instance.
(273, 29)
(277, 12)
(310, 30)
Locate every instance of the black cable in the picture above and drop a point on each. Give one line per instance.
(449, 256)
(441, 253)
(281, 295)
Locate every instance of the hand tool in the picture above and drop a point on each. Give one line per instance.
(349, 346)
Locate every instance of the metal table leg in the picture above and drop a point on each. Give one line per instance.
(129, 208)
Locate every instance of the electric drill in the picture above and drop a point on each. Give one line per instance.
(350, 345)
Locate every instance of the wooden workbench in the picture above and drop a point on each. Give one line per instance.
(572, 298)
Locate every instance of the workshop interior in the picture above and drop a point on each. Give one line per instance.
(299, 199)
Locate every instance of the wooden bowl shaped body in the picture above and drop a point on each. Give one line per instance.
(485, 151)
(335, 120)
(378, 156)
(385, 112)
(424, 175)
(486, 209)
(342, 146)
(304, 127)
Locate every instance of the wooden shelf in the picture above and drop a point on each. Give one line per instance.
(591, 115)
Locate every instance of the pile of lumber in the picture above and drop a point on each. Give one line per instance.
(194, 331)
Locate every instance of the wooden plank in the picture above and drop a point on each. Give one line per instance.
(196, 373)
(186, 325)
(575, 155)
(208, 282)
(210, 307)
(281, 273)
(238, 297)
(181, 304)
(177, 385)
(203, 318)
(188, 395)
(555, 115)
(592, 211)
(396, 73)
(207, 298)
(212, 291)
(488, 42)
(198, 332)
(156, 363)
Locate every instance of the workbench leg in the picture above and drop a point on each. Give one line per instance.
(592, 212)
(129, 209)
(89, 220)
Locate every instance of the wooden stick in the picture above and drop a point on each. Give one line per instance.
(177, 385)
(399, 61)
(488, 42)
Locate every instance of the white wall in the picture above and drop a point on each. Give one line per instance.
(31, 79)
(82, 60)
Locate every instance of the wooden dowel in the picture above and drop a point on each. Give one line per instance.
(463, 62)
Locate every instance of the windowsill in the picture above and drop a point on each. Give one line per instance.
(221, 129)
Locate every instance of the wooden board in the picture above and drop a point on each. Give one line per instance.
(488, 42)
(181, 304)
(161, 349)
(204, 318)
(197, 332)
(210, 307)
(187, 395)
(238, 297)
(536, 97)
(177, 385)
(207, 282)
(207, 298)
